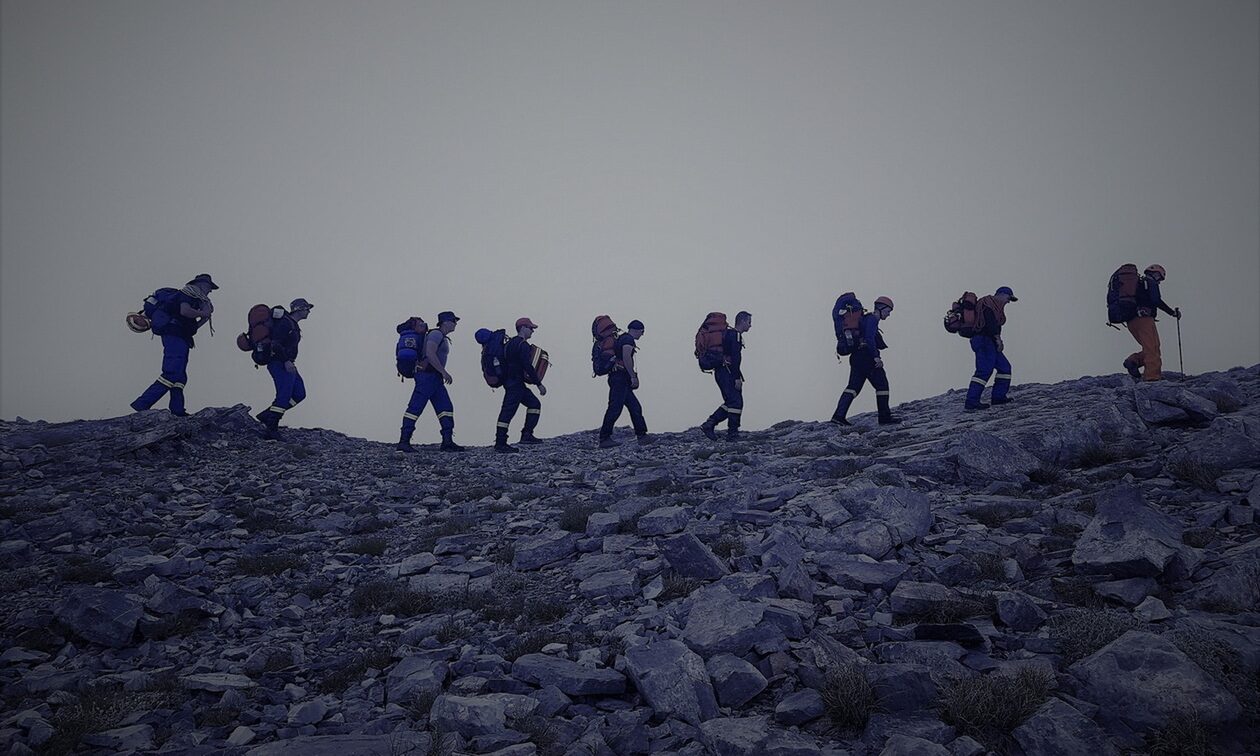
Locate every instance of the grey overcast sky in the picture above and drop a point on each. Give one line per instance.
(652, 160)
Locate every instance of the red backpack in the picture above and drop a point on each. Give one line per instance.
(604, 355)
(710, 339)
(257, 336)
(964, 317)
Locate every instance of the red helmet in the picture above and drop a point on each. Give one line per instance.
(884, 302)
(1157, 269)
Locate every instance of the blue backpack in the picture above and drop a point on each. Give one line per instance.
(846, 316)
(409, 351)
(493, 355)
(162, 308)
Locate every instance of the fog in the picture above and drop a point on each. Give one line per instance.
(651, 160)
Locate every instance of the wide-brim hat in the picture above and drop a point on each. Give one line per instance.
(204, 278)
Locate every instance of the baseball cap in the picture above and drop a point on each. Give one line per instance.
(446, 316)
(1007, 291)
(525, 323)
(300, 304)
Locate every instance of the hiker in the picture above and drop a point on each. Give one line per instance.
(622, 382)
(518, 371)
(989, 349)
(432, 379)
(729, 379)
(176, 314)
(1147, 364)
(865, 364)
(286, 334)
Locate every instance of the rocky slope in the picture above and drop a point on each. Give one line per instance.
(1076, 572)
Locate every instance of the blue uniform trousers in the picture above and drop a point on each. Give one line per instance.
(516, 394)
(173, 378)
(732, 409)
(621, 396)
(290, 389)
(862, 369)
(429, 390)
(988, 359)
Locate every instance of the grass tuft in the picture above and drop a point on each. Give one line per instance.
(372, 546)
(1196, 472)
(1081, 632)
(1183, 735)
(573, 517)
(676, 586)
(988, 708)
(388, 597)
(848, 698)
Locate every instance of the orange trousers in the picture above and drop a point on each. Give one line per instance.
(1148, 360)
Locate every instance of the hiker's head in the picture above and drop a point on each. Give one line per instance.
(1004, 294)
(525, 327)
(743, 321)
(447, 321)
(1156, 272)
(635, 329)
(300, 308)
(204, 282)
(883, 307)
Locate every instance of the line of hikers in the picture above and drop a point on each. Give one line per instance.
(514, 364)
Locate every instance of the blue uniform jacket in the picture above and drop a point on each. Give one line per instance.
(1148, 297)
(285, 335)
(733, 346)
(872, 340)
(518, 368)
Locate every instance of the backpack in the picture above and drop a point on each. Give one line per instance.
(161, 308)
(1122, 291)
(710, 342)
(409, 351)
(964, 317)
(846, 317)
(604, 349)
(257, 337)
(493, 355)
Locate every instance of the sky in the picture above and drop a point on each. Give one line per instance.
(650, 160)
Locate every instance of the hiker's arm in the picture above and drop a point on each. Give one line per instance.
(193, 313)
(523, 353)
(735, 349)
(627, 359)
(1173, 311)
(431, 356)
(870, 335)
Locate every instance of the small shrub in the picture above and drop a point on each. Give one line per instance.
(727, 546)
(1221, 662)
(1077, 591)
(389, 597)
(269, 564)
(676, 586)
(339, 677)
(1096, 456)
(991, 566)
(573, 517)
(99, 709)
(1047, 475)
(428, 538)
(84, 569)
(1198, 538)
(504, 553)
(530, 643)
(451, 631)
(419, 704)
(1081, 632)
(538, 730)
(848, 698)
(1195, 472)
(1183, 735)
(367, 546)
(988, 708)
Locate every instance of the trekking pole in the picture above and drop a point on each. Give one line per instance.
(1180, 357)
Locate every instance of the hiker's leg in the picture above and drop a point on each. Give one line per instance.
(533, 411)
(721, 412)
(419, 398)
(879, 379)
(298, 395)
(618, 388)
(1001, 383)
(636, 411)
(732, 398)
(1147, 333)
(858, 371)
(175, 370)
(444, 408)
(167, 379)
(1137, 359)
(985, 350)
(283, 382)
(511, 400)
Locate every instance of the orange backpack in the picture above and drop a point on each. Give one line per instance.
(710, 353)
(964, 317)
(604, 349)
(257, 336)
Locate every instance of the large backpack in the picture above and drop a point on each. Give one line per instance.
(604, 347)
(409, 351)
(493, 355)
(964, 316)
(161, 308)
(710, 342)
(257, 336)
(1122, 291)
(846, 317)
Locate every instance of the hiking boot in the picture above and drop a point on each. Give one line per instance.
(1134, 373)
(840, 421)
(707, 429)
(890, 420)
(608, 443)
(272, 433)
(644, 439)
(137, 406)
(449, 445)
(530, 439)
(733, 435)
(505, 448)
(975, 407)
(1003, 400)
(403, 446)
(181, 413)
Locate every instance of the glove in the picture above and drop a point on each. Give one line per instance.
(879, 362)
(1177, 313)
(998, 340)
